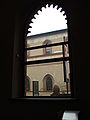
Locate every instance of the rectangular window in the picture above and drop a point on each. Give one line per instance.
(47, 71)
(35, 88)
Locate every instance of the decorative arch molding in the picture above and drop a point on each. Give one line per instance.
(44, 81)
(49, 41)
(27, 77)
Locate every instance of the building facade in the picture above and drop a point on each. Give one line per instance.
(42, 76)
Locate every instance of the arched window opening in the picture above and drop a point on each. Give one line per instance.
(48, 84)
(49, 50)
(27, 83)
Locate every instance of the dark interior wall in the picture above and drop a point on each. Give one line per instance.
(13, 16)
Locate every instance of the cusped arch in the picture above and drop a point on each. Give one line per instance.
(39, 9)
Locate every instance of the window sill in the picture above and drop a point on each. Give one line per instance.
(44, 98)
